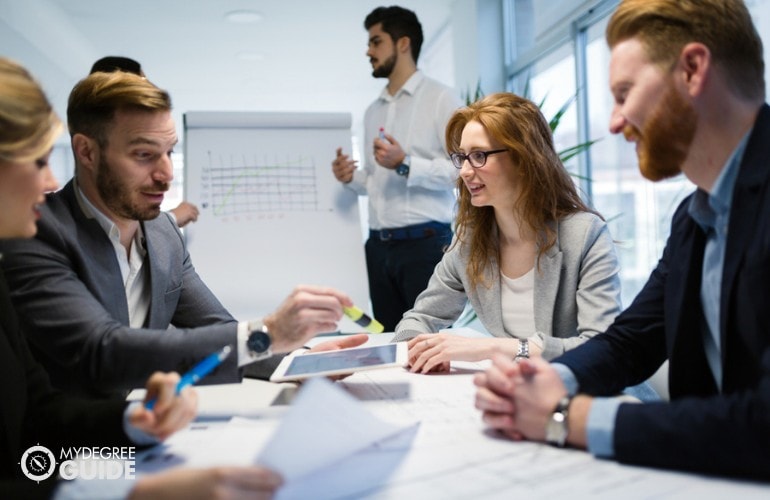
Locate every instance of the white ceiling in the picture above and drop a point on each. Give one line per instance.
(303, 55)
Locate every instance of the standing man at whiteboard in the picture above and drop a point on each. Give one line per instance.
(406, 173)
(106, 292)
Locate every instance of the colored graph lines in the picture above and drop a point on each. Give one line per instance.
(258, 187)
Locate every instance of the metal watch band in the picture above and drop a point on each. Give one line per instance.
(523, 349)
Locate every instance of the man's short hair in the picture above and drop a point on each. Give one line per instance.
(664, 27)
(398, 22)
(95, 99)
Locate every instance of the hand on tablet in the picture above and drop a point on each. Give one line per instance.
(341, 343)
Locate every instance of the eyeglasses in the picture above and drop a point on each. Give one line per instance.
(477, 159)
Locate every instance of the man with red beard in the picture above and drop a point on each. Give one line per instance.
(406, 171)
(107, 275)
(687, 77)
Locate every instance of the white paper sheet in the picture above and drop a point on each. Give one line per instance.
(323, 426)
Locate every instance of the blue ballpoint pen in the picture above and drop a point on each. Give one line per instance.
(198, 371)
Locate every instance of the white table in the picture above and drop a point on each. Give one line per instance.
(451, 455)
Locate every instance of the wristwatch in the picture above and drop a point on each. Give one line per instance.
(523, 349)
(556, 430)
(259, 341)
(403, 169)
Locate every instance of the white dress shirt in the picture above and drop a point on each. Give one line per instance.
(132, 270)
(416, 116)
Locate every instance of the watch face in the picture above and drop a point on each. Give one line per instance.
(258, 341)
(556, 429)
(402, 169)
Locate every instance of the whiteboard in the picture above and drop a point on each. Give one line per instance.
(272, 215)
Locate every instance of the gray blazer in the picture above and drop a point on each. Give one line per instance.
(67, 288)
(577, 290)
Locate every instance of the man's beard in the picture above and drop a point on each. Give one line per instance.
(386, 68)
(663, 145)
(117, 196)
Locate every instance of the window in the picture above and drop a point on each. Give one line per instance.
(638, 211)
(549, 40)
(552, 85)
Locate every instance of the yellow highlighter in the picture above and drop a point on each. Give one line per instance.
(361, 319)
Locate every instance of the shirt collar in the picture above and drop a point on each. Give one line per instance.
(409, 87)
(106, 224)
(706, 207)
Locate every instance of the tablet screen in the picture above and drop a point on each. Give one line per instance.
(342, 359)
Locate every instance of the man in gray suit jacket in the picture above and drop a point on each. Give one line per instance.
(107, 275)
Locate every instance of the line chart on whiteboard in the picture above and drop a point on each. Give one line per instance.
(254, 185)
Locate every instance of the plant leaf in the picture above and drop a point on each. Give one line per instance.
(567, 154)
(557, 117)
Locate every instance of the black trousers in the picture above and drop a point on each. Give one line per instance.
(399, 269)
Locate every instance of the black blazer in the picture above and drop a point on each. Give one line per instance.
(31, 412)
(700, 429)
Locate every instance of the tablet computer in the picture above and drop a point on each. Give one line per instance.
(301, 365)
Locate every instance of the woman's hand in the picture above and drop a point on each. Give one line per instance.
(432, 352)
(171, 411)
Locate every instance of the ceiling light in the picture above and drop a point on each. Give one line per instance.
(243, 16)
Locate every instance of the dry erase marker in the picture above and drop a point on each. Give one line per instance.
(382, 133)
(198, 372)
(361, 319)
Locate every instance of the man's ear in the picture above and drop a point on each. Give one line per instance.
(404, 45)
(695, 65)
(86, 151)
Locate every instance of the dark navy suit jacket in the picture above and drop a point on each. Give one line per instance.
(701, 429)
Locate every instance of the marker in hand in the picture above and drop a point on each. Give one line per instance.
(369, 324)
(198, 372)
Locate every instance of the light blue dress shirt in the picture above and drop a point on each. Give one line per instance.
(712, 213)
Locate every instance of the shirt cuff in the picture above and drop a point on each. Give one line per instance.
(600, 427)
(137, 436)
(567, 377)
(243, 349)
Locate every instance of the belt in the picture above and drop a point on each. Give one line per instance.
(416, 232)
